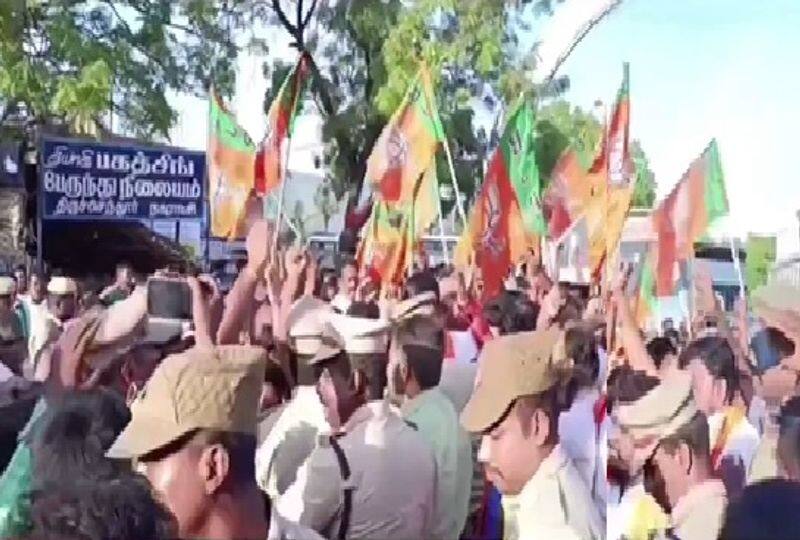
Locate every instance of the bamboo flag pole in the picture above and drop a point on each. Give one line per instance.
(285, 172)
(737, 264)
(459, 203)
(445, 250)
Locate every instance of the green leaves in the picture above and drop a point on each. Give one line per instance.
(82, 97)
(560, 126)
(73, 63)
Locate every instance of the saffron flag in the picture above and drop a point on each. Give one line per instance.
(230, 156)
(684, 216)
(646, 298)
(619, 170)
(395, 228)
(495, 234)
(572, 188)
(280, 121)
(387, 247)
(407, 144)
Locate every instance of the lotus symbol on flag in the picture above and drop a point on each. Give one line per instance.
(491, 241)
(396, 149)
(268, 135)
(618, 169)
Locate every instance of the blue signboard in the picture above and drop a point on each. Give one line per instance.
(89, 180)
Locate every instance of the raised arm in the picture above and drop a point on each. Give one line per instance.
(240, 302)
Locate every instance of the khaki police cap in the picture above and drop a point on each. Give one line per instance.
(7, 286)
(213, 388)
(660, 412)
(510, 367)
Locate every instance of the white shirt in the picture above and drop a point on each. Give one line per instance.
(282, 529)
(635, 515)
(742, 443)
(290, 441)
(393, 476)
(43, 328)
(586, 443)
(554, 504)
(436, 420)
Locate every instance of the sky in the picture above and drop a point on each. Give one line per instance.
(703, 69)
(699, 69)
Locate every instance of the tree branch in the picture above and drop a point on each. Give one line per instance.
(307, 18)
(299, 16)
(276, 7)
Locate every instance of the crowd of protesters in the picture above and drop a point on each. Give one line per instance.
(309, 404)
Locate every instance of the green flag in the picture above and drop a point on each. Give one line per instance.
(517, 146)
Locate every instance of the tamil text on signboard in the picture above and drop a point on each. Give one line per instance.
(87, 180)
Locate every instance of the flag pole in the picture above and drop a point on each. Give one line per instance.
(737, 264)
(281, 197)
(459, 204)
(445, 251)
(285, 172)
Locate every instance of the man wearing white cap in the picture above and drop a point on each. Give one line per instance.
(281, 456)
(376, 476)
(62, 305)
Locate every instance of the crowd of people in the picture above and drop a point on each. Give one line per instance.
(307, 403)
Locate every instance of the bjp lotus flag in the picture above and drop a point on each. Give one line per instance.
(230, 155)
(685, 215)
(407, 143)
(280, 121)
(495, 234)
(619, 168)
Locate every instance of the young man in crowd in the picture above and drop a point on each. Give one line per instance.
(632, 512)
(417, 351)
(581, 429)
(123, 285)
(62, 306)
(293, 435)
(518, 397)
(33, 311)
(681, 472)
(200, 459)
(348, 283)
(664, 354)
(375, 477)
(21, 280)
(12, 338)
(711, 363)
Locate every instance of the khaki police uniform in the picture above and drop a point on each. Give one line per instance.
(659, 414)
(293, 435)
(555, 503)
(203, 388)
(377, 477)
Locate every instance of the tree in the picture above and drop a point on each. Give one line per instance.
(325, 203)
(560, 126)
(72, 62)
(644, 192)
(367, 53)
